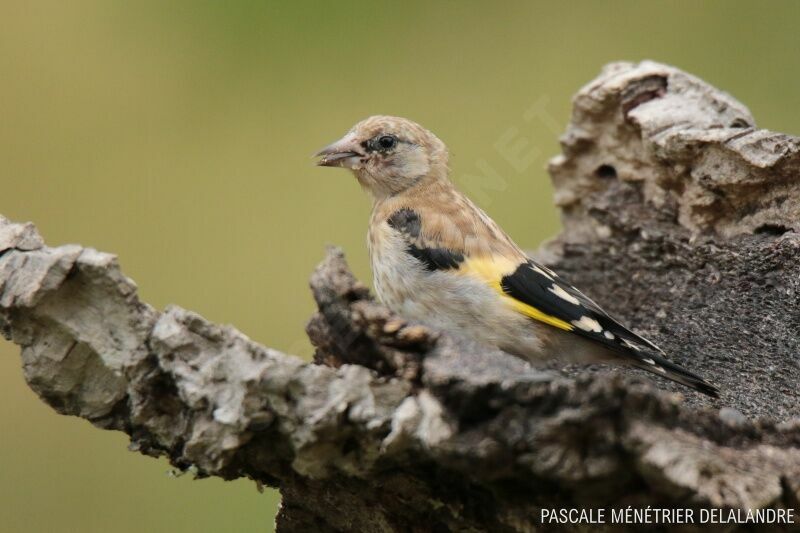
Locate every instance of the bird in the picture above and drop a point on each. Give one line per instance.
(439, 260)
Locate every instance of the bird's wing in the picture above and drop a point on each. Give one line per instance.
(536, 290)
(533, 290)
(541, 294)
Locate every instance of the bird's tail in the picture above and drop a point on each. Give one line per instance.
(662, 367)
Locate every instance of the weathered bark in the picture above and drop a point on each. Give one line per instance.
(679, 216)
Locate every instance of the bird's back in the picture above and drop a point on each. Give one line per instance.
(446, 218)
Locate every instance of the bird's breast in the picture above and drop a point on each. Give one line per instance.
(397, 276)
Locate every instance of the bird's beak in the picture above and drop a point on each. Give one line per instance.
(343, 153)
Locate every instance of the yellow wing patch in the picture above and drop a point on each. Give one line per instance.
(491, 271)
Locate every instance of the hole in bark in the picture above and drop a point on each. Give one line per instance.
(606, 172)
(739, 123)
(771, 229)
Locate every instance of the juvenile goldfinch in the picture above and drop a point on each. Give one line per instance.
(440, 260)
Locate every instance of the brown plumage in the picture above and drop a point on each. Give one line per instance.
(439, 259)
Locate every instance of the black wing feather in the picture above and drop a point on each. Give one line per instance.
(543, 289)
(538, 287)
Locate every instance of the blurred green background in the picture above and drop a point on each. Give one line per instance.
(178, 135)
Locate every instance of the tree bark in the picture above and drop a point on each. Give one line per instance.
(680, 217)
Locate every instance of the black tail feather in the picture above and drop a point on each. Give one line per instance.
(662, 367)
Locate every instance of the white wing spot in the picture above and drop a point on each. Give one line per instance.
(564, 295)
(542, 272)
(659, 369)
(649, 361)
(608, 335)
(587, 323)
(631, 345)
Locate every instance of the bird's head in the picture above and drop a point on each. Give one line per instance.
(388, 154)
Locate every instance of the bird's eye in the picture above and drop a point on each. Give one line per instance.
(387, 142)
